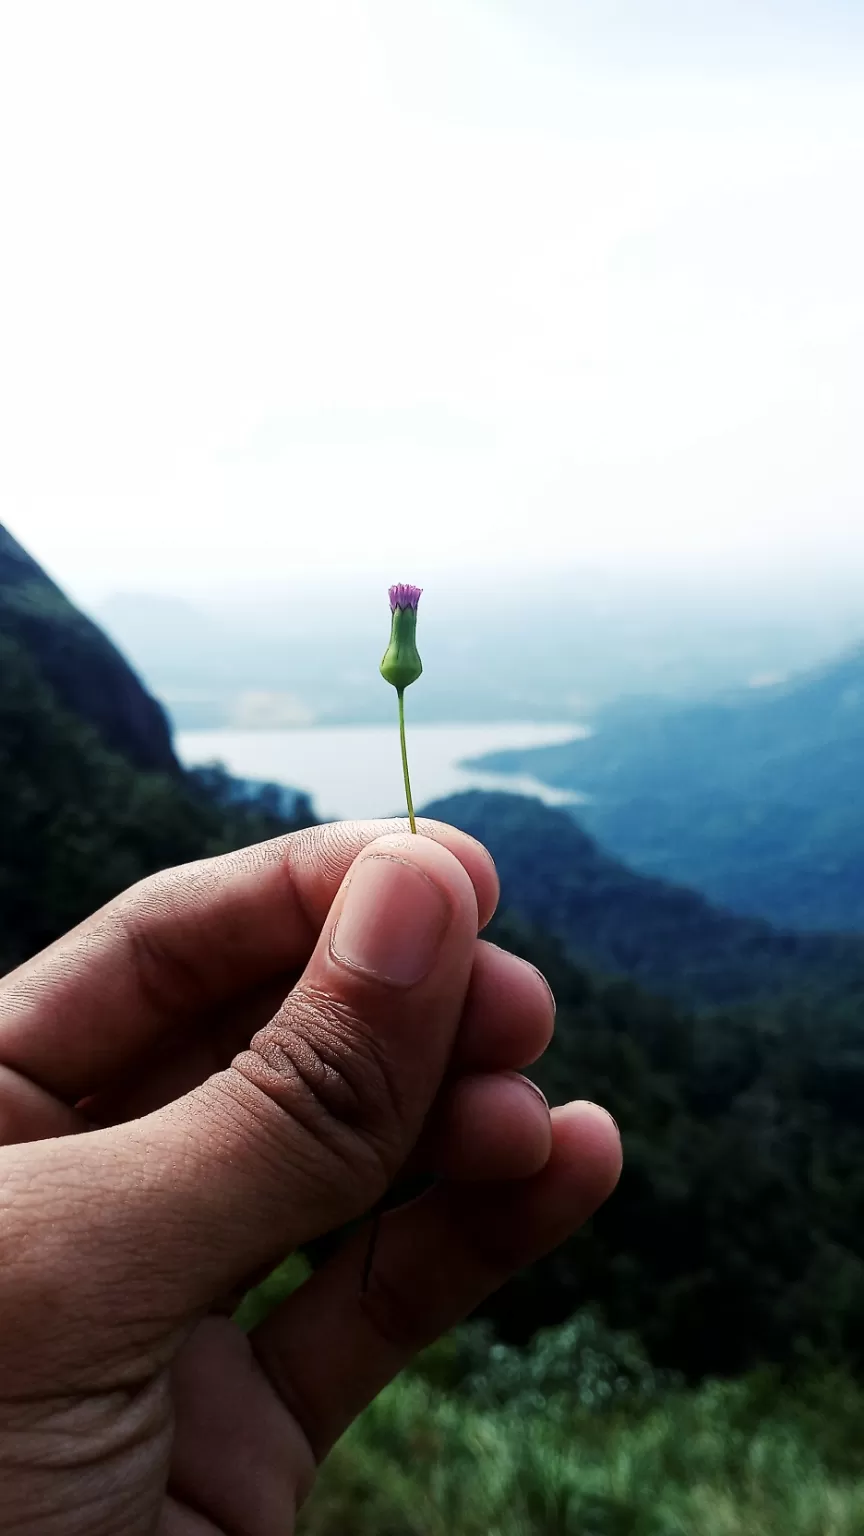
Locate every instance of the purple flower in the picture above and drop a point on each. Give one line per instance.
(404, 596)
(401, 664)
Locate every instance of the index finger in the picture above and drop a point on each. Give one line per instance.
(184, 941)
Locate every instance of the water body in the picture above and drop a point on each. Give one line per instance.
(355, 770)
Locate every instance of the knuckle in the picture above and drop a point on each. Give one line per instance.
(159, 921)
(324, 1067)
(148, 917)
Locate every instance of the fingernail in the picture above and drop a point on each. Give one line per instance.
(546, 985)
(609, 1115)
(392, 923)
(527, 1083)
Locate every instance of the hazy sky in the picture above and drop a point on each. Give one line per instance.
(402, 281)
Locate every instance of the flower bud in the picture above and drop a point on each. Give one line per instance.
(401, 664)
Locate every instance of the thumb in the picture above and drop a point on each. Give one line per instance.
(306, 1128)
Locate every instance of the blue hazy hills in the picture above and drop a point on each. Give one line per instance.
(755, 799)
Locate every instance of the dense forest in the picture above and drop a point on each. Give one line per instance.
(711, 1319)
(736, 1235)
(81, 822)
(93, 796)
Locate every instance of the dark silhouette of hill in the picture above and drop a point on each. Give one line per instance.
(93, 797)
(87, 673)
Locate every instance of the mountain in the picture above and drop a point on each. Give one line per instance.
(93, 797)
(86, 672)
(618, 922)
(756, 799)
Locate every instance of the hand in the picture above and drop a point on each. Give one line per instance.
(163, 1144)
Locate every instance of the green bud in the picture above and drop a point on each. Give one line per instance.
(401, 664)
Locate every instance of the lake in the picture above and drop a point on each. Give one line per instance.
(355, 770)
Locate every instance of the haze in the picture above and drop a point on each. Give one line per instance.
(297, 289)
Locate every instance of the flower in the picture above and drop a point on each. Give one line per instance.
(401, 664)
(404, 596)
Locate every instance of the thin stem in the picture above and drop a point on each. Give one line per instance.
(412, 821)
(411, 817)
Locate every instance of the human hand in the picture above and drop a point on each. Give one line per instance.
(149, 1172)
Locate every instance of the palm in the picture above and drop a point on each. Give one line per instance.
(238, 1454)
(232, 1457)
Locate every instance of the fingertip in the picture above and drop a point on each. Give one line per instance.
(519, 1222)
(489, 1126)
(474, 858)
(587, 1140)
(510, 1012)
(319, 858)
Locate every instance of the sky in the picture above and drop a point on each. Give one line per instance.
(416, 285)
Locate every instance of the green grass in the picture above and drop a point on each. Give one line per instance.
(728, 1459)
(579, 1435)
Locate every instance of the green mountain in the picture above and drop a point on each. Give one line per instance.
(757, 799)
(86, 672)
(93, 798)
(615, 921)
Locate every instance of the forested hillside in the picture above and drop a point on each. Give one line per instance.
(92, 795)
(86, 672)
(81, 823)
(736, 1235)
(756, 799)
(621, 923)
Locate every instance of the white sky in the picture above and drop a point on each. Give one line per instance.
(400, 282)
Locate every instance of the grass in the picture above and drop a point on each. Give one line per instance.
(578, 1435)
(722, 1460)
(422, 1463)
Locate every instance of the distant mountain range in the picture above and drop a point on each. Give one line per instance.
(555, 878)
(756, 799)
(543, 646)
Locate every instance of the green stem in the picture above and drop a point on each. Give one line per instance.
(411, 818)
(376, 1213)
